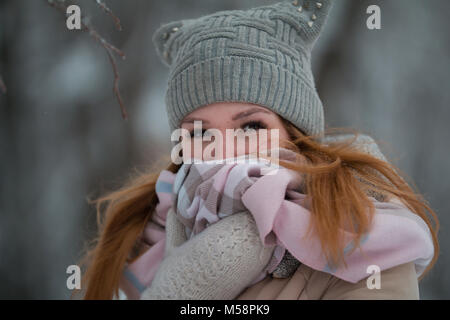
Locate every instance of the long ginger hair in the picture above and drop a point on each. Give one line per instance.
(337, 179)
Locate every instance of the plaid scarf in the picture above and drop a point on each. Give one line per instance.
(203, 193)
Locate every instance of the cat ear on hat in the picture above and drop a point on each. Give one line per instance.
(308, 17)
(164, 38)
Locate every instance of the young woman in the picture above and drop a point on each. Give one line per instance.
(251, 70)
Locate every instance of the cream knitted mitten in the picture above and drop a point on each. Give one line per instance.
(216, 264)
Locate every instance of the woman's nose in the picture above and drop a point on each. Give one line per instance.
(222, 143)
(234, 143)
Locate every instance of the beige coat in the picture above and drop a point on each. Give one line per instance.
(308, 284)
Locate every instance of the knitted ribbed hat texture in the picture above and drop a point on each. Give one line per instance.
(260, 56)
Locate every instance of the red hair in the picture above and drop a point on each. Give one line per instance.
(330, 173)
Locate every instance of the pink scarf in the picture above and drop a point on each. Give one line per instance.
(397, 235)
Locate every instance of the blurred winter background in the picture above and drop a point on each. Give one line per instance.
(62, 136)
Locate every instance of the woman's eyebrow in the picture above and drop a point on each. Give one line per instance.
(191, 120)
(248, 113)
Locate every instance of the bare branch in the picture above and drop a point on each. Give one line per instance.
(116, 84)
(103, 6)
(2, 86)
(102, 41)
(105, 44)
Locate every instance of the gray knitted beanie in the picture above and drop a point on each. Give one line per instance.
(260, 56)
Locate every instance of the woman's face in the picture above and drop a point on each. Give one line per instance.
(235, 115)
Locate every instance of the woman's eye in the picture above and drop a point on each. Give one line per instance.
(255, 125)
(199, 134)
